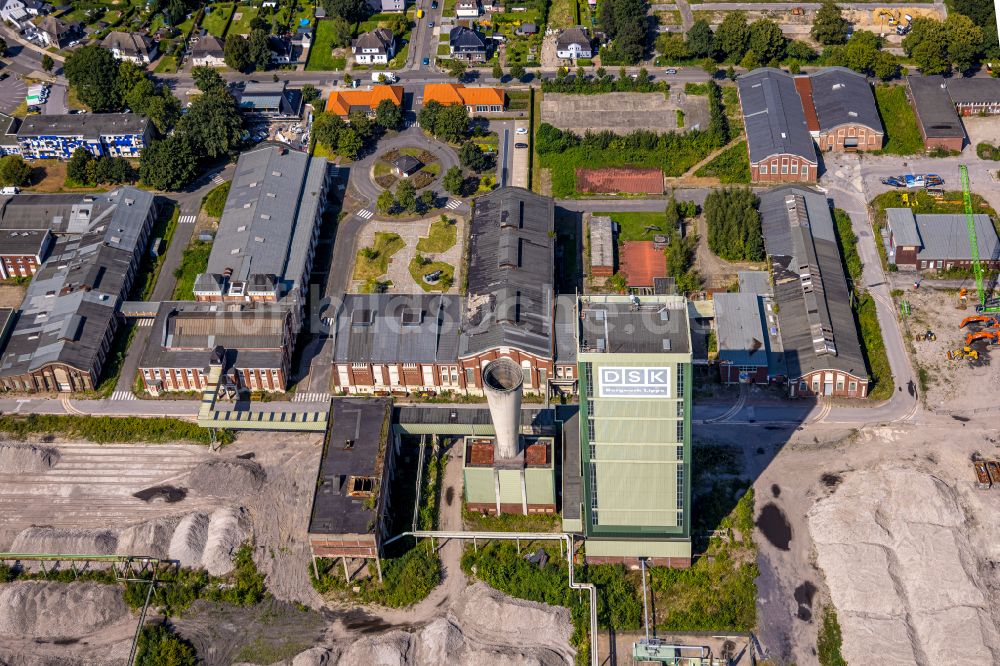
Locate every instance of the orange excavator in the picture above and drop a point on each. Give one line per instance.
(992, 337)
(985, 320)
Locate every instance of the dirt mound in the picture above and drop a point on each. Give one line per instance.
(227, 530)
(388, 649)
(442, 642)
(317, 656)
(22, 458)
(68, 542)
(188, 542)
(57, 610)
(149, 538)
(234, 477)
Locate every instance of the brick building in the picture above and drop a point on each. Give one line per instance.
(939, 123)
(477, 100)
(840, 110)
(938, 242)
(343, 104)
(22, 252)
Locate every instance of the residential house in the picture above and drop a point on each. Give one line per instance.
(821, 352)
(939, 123)
(374, 48)
(840, 110)
(68, 318)
(466, 44)
(23, 251)
(387, 6)
(778, 138)
(54, 32)
(282, 50)
(938, 241)
(573, 44)
(477, 100)
(131, 46)
(345, 103)
(467, 9)
(19, 11)
(271, 100)
(256, 341)
(405, 166)
(977, 96)
(208, 52)
(301, 41)
(57, 136)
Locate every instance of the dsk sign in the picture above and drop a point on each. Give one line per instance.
(634, 382)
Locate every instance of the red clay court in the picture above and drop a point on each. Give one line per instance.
(641, 262)
(610, 180)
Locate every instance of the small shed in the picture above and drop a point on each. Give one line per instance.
(527, 29)
(602, 246)
(406, 165)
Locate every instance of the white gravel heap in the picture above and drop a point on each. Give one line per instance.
(46, 610)
(65, 542)
(895, 547)
(227, 530)
(23, 458)
(188, 542)
(151, 537)
(387, 649)
(232, 477)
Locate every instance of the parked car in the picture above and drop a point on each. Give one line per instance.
(34, 109)
(427, 61)
(430, 25)
(521, 130)
(670, 72)
(520, 145)
(434, 5)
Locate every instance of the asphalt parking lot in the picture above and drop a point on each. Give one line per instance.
(12, 93)
(56, 105)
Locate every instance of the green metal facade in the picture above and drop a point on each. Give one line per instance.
(636, 455)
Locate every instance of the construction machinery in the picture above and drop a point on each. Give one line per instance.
(985, 320)
(926, 336)
(985, 305)
(964, 352)
(992, 337)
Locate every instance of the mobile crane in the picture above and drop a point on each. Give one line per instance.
(985, 305)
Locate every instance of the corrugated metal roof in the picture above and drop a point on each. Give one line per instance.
(740, 329)
(842, 97)
(773, 117)
(935, 110)
(903, 226)
(754, 282)
(947, 237)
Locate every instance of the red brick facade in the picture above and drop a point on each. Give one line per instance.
(269, 380)
(850, 138)
(491, 509)
(21, 265)
(730, 374)
(828, 383)
(784, 169)
(633, 562)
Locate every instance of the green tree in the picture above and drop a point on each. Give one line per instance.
(363, 125)
(680, 260)
(885, 66)
(309, 93)
(236, 52)
(830, 26)
(672, 215)
(14, 171)
(965, 42)
(259, 50)
(860, 51)
(159, 646)
(352, 11)
(406, 195)
(618, 283)
(927, 44)
(169, 164)
(212, 123)
(138, 93)
(472, 157)
(426, 200)
(453, 180)
(732, 37)
(799, 50)
(497, 70)
(76, 166)
(326, 129)
(767, 40)
(517, 71)
(163, 110)
(457, 68)
(701, 40)
(93, 72)
(47, 62)
(349, 143)
(388, 116)
(733, 222)
(452, 123)
(672, 47)
(385, 202)
(207, 78)
(341, 33)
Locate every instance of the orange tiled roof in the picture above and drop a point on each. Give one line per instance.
(641, 262)
(341, 103)
(447, 94)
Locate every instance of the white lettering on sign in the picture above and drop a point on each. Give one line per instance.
(638, 382)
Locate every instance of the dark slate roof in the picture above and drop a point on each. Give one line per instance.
(407, 163)
(620, 325)
(570, 36)
(942, 236)
(271, 98)
(131, 44)
(843, 96)
(379, 40)
(978, 90)
(8, 130)
(208, 45)
(185, 333)
(73, 298)
(935, 111)
(772, 113)
(365, 422)
(815, 318)
(88, 125)
(463, 39)
(21, 243)
(510, 275)
(739, 322)
(397, 328)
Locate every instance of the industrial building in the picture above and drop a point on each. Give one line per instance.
(938, 241)
(22, 252)
(840, 109)
(103, 134)
(821, 351)
(634, 356)
(271, 100)
(939, 123)
(748, 345)
(66, 324)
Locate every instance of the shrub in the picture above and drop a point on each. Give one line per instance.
(734, 224)
(215, 201)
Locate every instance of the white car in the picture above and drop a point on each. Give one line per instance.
(521, 130)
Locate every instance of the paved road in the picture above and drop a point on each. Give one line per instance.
(56, 104)
(367, 190)
(505, 147)
(12, 92)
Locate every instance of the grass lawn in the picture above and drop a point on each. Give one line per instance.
(215, 200)
(73, 100)
(194, 261)
(321, 58)
(518, 100)
(880, 387)
(730, 166)
(241, 26)
(187, 25)
(442, 236)
(376, 263)
(901, 131)
(632, 226)
(444, 49)
(511, 522)
(418, 271)
(563, 14)
(217, 20)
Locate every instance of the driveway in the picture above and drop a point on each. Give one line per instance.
(56, 104)
(12, 92)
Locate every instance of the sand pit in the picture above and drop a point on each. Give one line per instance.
(68, 542)
(188, 542)
(21, 458)
(899, 556)
(227, 530)
(234, 477)
(55, 610)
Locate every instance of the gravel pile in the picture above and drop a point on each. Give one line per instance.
(22, 458)
(233, 477)
(227, 530)
(188, 542)
(317, 656)
(388, 649)
(443, 642)
(57, 610)
(150, 538)
(64, 541)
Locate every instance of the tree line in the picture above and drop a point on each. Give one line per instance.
(734, 231)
